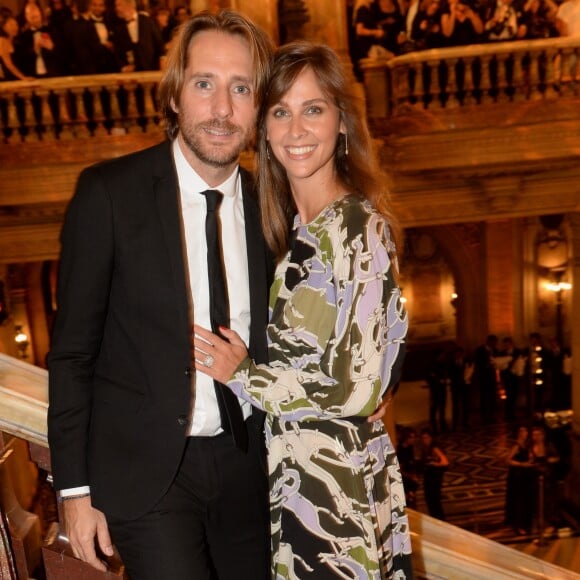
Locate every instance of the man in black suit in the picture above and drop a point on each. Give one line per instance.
(90, 39)
(134, 454)
(137, 40)
(37, 54)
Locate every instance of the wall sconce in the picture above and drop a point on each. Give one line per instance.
(454, 298)
(21, 340)
(558, 288)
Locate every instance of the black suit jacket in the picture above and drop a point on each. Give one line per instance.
(120, 360)
(25, 55)
(147, 51)
(88, 55)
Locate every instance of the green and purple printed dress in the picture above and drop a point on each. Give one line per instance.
(336, 343)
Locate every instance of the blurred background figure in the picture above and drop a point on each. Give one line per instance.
(519, 495)
(438, 380)
(410, 466)
(434, 463)
(485, 377)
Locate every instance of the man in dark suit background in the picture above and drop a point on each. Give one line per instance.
(134, 454)
(138, 43)
(37, 55)
(90, 39)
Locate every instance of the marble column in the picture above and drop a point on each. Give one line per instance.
(529, 280)
(328, 24)
(500, 261)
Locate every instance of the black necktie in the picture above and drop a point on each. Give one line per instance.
(230, 411)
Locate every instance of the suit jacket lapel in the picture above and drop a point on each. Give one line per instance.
(166, 190)
(260, 268)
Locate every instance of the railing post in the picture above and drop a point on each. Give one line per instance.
(468, 84)
(435, 68)
(46, 122)
(64, 102)
(419, 89)
(452, 88)
(519, 85)
(550, 79)
(29, 121)
(12, 129)
(502, 80)
(485, 78)
(98, 114)
(535, 94)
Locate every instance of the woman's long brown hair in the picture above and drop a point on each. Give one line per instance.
(358, 171)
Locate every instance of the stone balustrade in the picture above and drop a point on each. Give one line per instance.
(473, 75)
(74, 107)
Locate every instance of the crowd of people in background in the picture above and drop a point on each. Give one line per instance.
(498, 378)
(535, 467)
(498, 382)
(84, 37)
(394, 27)
(427, 467)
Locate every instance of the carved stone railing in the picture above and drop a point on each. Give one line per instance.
(68, 107)
(473, 75)
(440, 550)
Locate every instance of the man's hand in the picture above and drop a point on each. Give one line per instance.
(381, 410)
(83, 523)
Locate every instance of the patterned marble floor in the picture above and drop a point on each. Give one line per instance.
(474, 486)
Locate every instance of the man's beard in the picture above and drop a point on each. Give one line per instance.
(212, 155)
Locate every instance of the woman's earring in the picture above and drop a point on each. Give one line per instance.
(267, 152)
(346, 143)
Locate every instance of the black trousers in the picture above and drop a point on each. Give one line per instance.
(213, 523)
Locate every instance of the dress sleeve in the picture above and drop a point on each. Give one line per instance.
(354, 359)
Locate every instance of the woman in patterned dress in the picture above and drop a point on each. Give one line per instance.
(336, 334)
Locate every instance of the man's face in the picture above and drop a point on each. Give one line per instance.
(216, 108)
(181, 15)
(123, 9)
(98, 7)
(33, 15)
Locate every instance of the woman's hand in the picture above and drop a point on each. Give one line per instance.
(215, 356)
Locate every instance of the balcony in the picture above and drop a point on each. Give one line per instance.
(479, 132)
(466, 134)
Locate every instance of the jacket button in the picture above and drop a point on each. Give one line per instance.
(182, 420)
(187, 371)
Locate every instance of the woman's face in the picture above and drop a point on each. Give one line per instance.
(302, 130)
(522, 433)
(11, 27)
(426, 439)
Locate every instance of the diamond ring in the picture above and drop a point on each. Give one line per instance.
(208, 361)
